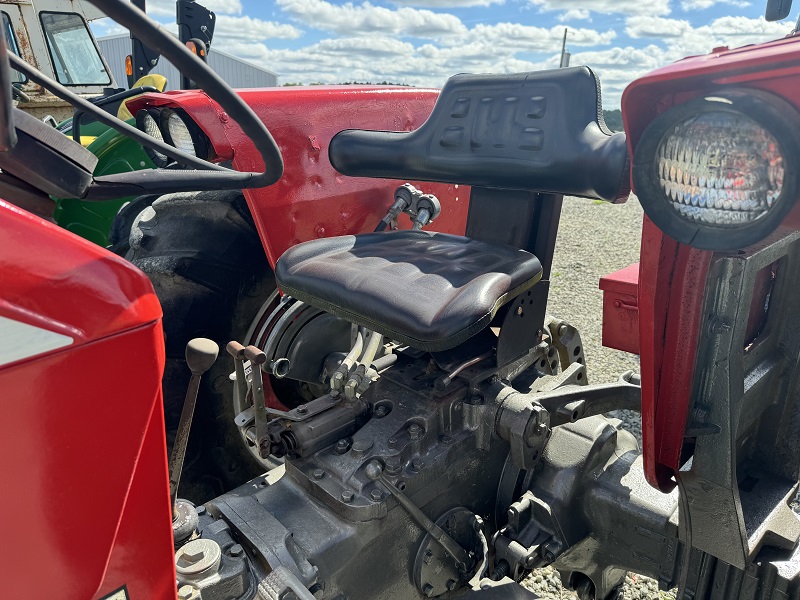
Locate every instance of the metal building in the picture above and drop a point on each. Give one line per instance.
(236, 72)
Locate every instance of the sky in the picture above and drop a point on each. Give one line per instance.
(423, 42)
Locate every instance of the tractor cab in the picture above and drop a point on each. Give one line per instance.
(54, 36)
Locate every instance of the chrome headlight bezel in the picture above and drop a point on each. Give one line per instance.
(777, 117)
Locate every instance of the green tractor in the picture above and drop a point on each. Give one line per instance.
(55, 37)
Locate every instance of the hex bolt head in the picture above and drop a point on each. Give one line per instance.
(562, 330)
(185, 592)
(342, 446)
(201, 510)
(347, 496)
(318, 474)
(414, 431)
(302, 409)
(376, 495)
(427, 589)
(416, 464)
(193, 554)
(374, 470)
(381, 411)
(236, 550)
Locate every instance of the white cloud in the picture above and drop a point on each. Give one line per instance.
(527, 38)
(166, 8)
(248, 28)
(447, 3)
(688, 5)
(575, 14)
(628, 7)
(658, 27)
(365, 18)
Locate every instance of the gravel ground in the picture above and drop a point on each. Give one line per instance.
(594, 239)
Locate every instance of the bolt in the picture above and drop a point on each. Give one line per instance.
(185, 592)
(393, 466)
(193, 556)
(541, 429)
(381, 411)
(415, 431)
(451, 584)
(530, 561)
(519, 311)
(342, 446)
(392, 442)
(302, 409)
(562, 330)
(347, 496)
(236, 551)
(318, 474)
(376, 495)
(427, 589)
(416, 464)
(201, 510)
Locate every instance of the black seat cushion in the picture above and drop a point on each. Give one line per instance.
(429, 290)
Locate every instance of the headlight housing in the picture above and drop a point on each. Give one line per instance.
(177, 129)
(147, 120)
(720, 172)
(183, 133)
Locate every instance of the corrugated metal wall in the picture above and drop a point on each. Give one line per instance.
(236, 72)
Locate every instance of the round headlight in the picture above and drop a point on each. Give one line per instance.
(719, 173)
(178, 132)
(147, 121)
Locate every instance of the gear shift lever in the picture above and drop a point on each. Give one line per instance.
(200, 356)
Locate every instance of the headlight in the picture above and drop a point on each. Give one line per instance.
(147, 121)
(183, 133)
(719, 173)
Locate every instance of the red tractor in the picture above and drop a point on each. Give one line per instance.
(451, 444)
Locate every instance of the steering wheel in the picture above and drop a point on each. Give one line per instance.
(26, 143)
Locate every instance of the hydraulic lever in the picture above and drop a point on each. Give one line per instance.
(200, 356)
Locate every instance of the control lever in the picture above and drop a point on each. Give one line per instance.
(464, 561)
(258, 358)
(200, 356)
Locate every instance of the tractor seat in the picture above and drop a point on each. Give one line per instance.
(429, 290)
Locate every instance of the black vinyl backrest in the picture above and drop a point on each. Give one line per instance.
(541, 131)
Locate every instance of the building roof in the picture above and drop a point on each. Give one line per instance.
(213, 50)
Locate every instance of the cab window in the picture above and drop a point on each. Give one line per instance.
(13, 46)
(75, 57)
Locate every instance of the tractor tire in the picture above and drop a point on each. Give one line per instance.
(206, 262)
(120, 232)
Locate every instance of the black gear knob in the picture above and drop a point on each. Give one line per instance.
(201, 354)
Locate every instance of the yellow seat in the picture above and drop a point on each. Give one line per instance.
(154, 80)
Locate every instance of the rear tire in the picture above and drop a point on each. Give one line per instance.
(205, 259)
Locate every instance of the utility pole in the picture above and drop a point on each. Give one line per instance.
(564, 54)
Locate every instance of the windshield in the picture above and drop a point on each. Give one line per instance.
(11, 44)
(75, 57)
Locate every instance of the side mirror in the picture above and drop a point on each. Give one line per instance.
(777, 9)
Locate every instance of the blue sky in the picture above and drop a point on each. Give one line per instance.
(422, 42)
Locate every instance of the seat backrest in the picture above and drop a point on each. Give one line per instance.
(541, 131)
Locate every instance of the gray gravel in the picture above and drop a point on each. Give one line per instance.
(594, 239)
